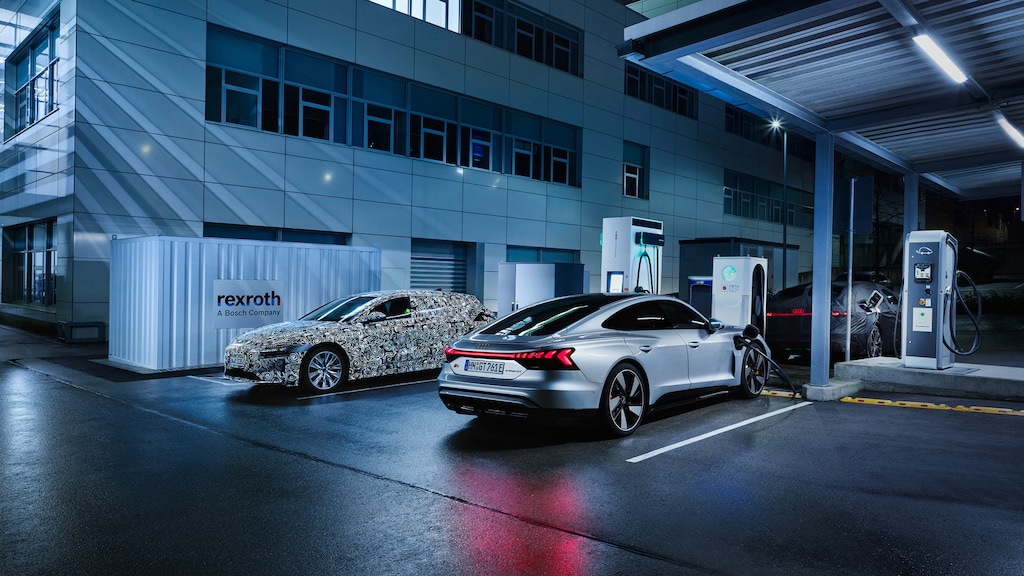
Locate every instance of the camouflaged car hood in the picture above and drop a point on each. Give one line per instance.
(297, 333)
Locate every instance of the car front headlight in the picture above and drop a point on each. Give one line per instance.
(274, 352)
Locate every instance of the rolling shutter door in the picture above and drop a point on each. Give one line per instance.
(438, 265)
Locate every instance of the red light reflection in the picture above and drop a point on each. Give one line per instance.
(522, 540)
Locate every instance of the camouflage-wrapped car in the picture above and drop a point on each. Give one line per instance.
(359, 336)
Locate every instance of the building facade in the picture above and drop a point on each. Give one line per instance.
(453, 135)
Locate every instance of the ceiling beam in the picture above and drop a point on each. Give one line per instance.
(957, 103)
(969, 162)
(694, 28)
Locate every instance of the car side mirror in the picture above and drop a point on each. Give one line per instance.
(714, 325)
(375, 316)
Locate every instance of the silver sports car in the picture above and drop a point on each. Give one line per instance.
(360, 336)
(613, 356)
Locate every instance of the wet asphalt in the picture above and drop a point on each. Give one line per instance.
(105, 471)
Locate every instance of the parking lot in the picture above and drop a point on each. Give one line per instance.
(108, 472)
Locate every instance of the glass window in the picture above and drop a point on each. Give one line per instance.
(443, 13)
(378, 88)
(309, 70)
(241, 98)
(270, 110)
(386, 113)
(632, 81)
(342, 309)
(292, 114)
(480, 22)
(643, 316)
(394, 308)
(523, 125)
(214, 230)
(433, 102)
(523, 158)
(634, 170)
(32, 71)
(430, 139)
(681, 317)
(662, 92)
(547, 317)
(477, 148)
(379, 125)
(316, 114)
(229, 49)
(559, 165)
(479, 114)
(31, 262)
(631, 180)
(527, 40)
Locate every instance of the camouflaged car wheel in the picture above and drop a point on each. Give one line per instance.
(323, 369)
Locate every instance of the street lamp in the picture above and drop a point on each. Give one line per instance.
(775, 126)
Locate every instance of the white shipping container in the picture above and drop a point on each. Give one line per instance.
(164, 310)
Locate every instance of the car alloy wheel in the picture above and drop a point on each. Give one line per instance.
(754, 371)
(624, 401)
(873, 346)
(323, 369)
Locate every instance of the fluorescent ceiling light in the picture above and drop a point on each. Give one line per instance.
(1010, 129)
(932, 49)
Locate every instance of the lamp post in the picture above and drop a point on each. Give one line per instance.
(777, 125)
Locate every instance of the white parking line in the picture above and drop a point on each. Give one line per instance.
(362, 390)
(654, 453)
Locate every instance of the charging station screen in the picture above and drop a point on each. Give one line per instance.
(922, 272)
(615, 280)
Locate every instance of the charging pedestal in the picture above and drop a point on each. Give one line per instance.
(631, 254)
(928, 311)
(739, 290)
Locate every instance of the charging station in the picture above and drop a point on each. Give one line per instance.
(631, 254)
(928, 311)
(739, 290)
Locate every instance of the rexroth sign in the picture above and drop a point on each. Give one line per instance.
(246, 303)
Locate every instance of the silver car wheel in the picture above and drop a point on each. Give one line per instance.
(323, 369)
(754, 372)
(624, 401)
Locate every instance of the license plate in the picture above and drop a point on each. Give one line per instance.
(235, 361)
(484, 366)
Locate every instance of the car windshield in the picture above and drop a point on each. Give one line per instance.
(338, 310)
(542, 320)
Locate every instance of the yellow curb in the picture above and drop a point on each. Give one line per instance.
(932, 406)
(781, 394)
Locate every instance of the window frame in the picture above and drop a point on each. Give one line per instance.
(22, 263)
(374, 110)
(35, 96)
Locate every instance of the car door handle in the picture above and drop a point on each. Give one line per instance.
(645, 348)
(695, 344)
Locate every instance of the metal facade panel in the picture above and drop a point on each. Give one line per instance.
(162, 300)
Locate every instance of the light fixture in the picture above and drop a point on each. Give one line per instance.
(932, 49)
(776, 125)
(1010, 129)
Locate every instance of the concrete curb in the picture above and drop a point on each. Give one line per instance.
(835, 389)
